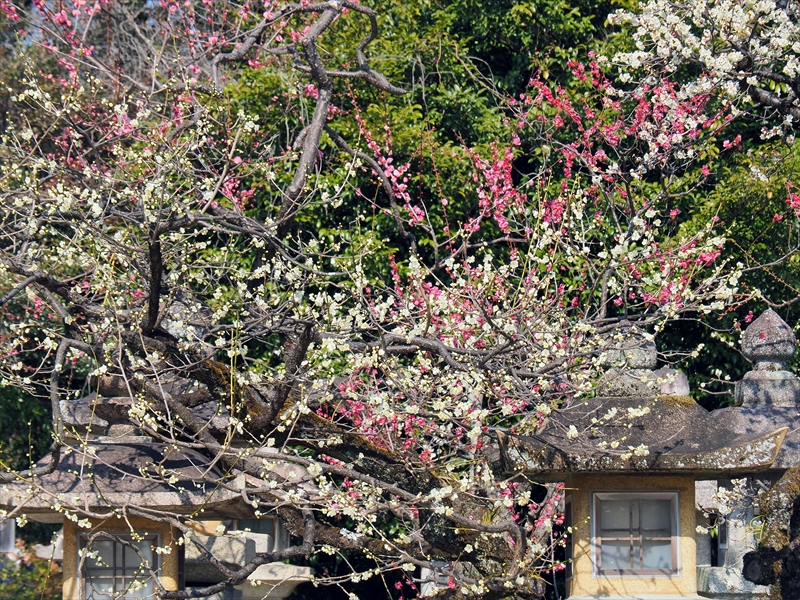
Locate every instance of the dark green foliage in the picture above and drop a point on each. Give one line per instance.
(390, 586)
(30, 578)
(24, 429)
(509, 38)
(761, 228)
(25, 436)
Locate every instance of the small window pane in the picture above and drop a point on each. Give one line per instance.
(105, 554)
(98, 589)
(633, 533)
(616, 555)
(145, 548)
(122, 572)
(656, 514)
(615, 514)
(266, 525)
(129, 558)
(656, 555)
(139, 589)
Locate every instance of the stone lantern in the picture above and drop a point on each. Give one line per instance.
(630, 458)
(119, 496)
(767, 398)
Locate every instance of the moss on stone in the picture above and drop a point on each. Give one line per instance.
(781, 512)
(678, 401)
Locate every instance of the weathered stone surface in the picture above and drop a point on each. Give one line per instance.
(114, 409)
(727, 583)
(630, 358)
(629, 382)
(758, 420)
(80, 414)
(123, 439)
(233, 552)
(628, 348)
(672, 382)
(637, 597)
(273, 580)
(117, 430)
(672, 434)
(702, 543)
(777, 559)
(769, 342)
(704, 491)
(643, 382)
(217, 418)
(768, 388)
(262, 543)
(124, 474)
(117, 390)
(110, 385)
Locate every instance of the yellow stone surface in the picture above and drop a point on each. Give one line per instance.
(168, 563)
(585, 582)
(205, 527)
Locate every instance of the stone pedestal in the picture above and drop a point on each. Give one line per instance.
(768, 388)
(727, 584)
(726, 581)
(271, 581)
